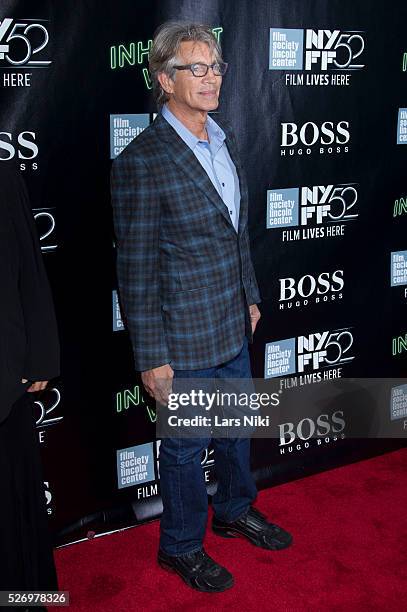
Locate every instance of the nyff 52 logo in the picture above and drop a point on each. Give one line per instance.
(22, 43)
(326, 49)
(308, 353)
(329, 202)
(311, 205)
(311, 50)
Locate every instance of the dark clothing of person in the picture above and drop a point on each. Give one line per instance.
(25, 543)
(29, 345)
(29, 349)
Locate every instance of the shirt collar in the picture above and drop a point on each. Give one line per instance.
(215, 133)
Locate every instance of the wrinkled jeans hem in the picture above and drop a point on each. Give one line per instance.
(188, 552)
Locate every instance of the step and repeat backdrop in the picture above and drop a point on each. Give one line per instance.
(317, 95)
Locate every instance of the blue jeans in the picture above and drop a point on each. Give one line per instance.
(183, 489)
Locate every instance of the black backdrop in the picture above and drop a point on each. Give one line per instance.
(95, 67)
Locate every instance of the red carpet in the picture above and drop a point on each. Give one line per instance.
(349, 552)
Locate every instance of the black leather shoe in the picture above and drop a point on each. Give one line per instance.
(254, 526)
(198, 570)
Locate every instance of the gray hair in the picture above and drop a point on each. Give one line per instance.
(166, 44)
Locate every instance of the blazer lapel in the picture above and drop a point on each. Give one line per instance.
(182, 155)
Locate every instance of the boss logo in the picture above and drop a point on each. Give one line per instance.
(308, 428)
(309, 285)
(23, 146)
(310, 133)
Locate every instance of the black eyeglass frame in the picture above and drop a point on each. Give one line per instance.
(189, 67)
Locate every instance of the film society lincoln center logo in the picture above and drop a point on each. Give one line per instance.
(123, 128)
(135, 465)
(398, 268)
(316, 205)
(402, 126)
(398, 404)
(327, 349)
(330, 53)
(118, 324)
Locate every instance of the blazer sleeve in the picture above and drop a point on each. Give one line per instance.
(136, 215)
(254, 292)
(42, 358)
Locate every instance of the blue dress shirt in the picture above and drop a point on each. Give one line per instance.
(214, 158)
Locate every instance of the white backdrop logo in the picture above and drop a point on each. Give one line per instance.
(48, 498)
(311, 206)
(398, 268)
(308, 353)
(326, 137)
(325, 425)
(402, 126)
(398, 404)
(21, 146)
(118, 324)
(309, 213)
(49, 411)
(135, 465)
(316, 57)
(123, 128)
(22, 42)
(23, 45)
(308, 289)
(45, 219)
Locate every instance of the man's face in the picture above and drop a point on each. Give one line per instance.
(191, 92)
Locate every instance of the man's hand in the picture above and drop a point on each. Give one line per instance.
(158, 382)
(254, 316)
(39, 385)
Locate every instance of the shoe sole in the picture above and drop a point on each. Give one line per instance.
(235, 534)
(169, 568)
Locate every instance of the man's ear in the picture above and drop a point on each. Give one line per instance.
(166, 82)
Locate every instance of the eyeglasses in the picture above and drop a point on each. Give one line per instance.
(200, 70)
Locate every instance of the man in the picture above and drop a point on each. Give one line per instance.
(29, 357)
(188, 289)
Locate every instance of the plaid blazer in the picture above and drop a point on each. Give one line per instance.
(185, 275)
